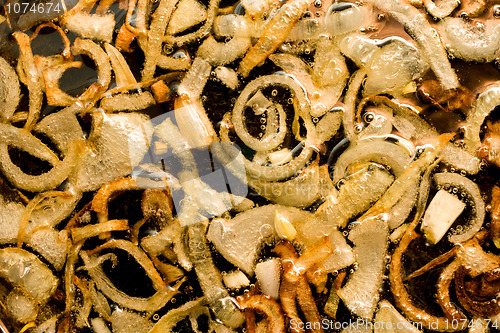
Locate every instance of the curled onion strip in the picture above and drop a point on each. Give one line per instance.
(67, 44)
(25, 217)
(88, 231)
(393, 156)
(485, 103)
(153, 303)
(156, 34)
(45, 181)
(223, 306)
(107, 192)
(101, 59)
(141, 258)
(355, 83)
(140, 18)
(167, 323)
(200, 33)
(425, 36)
(445, 8)
(403, 299)
(219, 53)
(443, 286)
(33, 77)
(462, 183)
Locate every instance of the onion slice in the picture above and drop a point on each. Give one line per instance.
(361, 292)
(275, 33)
(470, 188)
(425, 36)
(10, 91)
(33, 77)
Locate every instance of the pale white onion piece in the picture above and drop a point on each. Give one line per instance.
(425, 36)
(10, 91)
(11, 215)
(62, 128)
(361, 292)
(304, 29)
(475, 201)
(24, 270)
(48, 326)
(390, 320)
(358, 192)
(124, 321)
(472, 41)
(268, 275)
(400, 211)
(99, 325)
(93, 26)
(21, 306)
(235, 279)
(443, 9)
(50, 244)
(240, 238)
(461, 159)
(233, 25)
(128, 102)
(193, 122)
(350, 99)
(345, 17)
(227, 76)
(218, 53)
(119, 143)
(392, 67)
(358, 49)
(443, 210)
(485, 103)
(187, 14)
(342, 256)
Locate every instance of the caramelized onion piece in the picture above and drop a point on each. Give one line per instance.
(9, 91)
(425, 36)
(267, 306)
(275, 33)
(33, 77)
